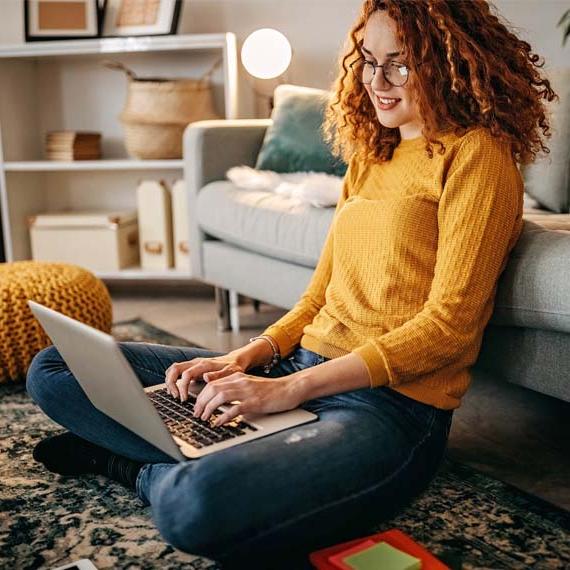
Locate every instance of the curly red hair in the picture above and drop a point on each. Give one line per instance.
(489, 76)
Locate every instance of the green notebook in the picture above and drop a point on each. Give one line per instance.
(384, 556)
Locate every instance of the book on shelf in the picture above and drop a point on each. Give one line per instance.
(73, 145)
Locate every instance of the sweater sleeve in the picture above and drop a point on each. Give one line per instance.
(288, 330)
(479, 220)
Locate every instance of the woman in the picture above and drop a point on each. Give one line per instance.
(380, 343)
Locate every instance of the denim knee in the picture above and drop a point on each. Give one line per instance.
(183, 513)
(41, 367)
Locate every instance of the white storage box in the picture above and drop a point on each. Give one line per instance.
(99, 241)
(180, 221)
(155, 225)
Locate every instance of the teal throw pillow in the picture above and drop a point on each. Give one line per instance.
(294, 143)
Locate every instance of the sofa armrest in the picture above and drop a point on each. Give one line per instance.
(210, 148)
(532, 291)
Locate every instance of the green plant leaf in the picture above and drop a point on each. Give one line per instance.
(564, 16)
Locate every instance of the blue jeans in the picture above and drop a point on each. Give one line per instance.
(274, 499)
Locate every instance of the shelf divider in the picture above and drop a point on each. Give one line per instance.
(91, 165)
(136, 273)
(115, 45)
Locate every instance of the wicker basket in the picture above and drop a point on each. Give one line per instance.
(158, 110)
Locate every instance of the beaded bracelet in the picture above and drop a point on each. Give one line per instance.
(274, 359)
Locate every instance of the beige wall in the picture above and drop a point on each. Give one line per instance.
(317, 28)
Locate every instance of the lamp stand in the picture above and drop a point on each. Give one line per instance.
(265, 93)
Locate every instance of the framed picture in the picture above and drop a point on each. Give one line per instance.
(61, 19)
(141, 17)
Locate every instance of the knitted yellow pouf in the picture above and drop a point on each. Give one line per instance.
(67, 288)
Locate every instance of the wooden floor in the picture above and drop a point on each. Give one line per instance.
(515, 434)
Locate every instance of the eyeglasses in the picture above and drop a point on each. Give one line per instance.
(395, 73)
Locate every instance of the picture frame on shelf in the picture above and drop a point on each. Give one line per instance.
(140, 17)
(61, 19)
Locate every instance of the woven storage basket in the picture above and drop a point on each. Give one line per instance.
(158, 110)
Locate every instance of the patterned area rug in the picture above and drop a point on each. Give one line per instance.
(468, 519)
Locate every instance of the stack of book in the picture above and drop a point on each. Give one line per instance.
(389, 550)
(73, 145)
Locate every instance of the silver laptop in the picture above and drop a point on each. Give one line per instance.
(98, 364)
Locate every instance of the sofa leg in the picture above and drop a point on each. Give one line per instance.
(234, 310)
(222, 308)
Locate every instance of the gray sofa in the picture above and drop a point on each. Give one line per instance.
(258, 244)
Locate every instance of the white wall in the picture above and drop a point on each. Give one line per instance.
(317, 29)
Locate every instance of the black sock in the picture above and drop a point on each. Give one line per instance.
(123, 469)
(69, 454)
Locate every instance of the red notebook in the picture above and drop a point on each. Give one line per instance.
(394, 537)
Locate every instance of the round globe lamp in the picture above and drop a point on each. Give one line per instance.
(266, 54)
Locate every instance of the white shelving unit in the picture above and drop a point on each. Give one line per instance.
(62, 85)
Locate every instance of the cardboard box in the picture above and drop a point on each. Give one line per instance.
(96, 240)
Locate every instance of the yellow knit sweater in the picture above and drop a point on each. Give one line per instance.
(408, 273)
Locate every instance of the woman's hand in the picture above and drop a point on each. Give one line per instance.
(179, 375)
(250, 394)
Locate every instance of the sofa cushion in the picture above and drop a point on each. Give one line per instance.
(264, 222)
(294, 142)
(545, 218)
(549, 220)
(534, 289)
(548, 178)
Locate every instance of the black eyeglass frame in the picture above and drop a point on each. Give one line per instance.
(377, 65)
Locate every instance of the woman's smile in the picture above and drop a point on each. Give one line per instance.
(385, 104)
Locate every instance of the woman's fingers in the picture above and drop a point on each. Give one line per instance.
(217, 374)
(193, 373)
(218, 400)
(179, 375)
(229, 414)
(171, 375)
(184, 380)
(179, 370)
(211, 375)
(228, 388)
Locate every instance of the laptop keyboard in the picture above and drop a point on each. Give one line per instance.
(179, 420)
